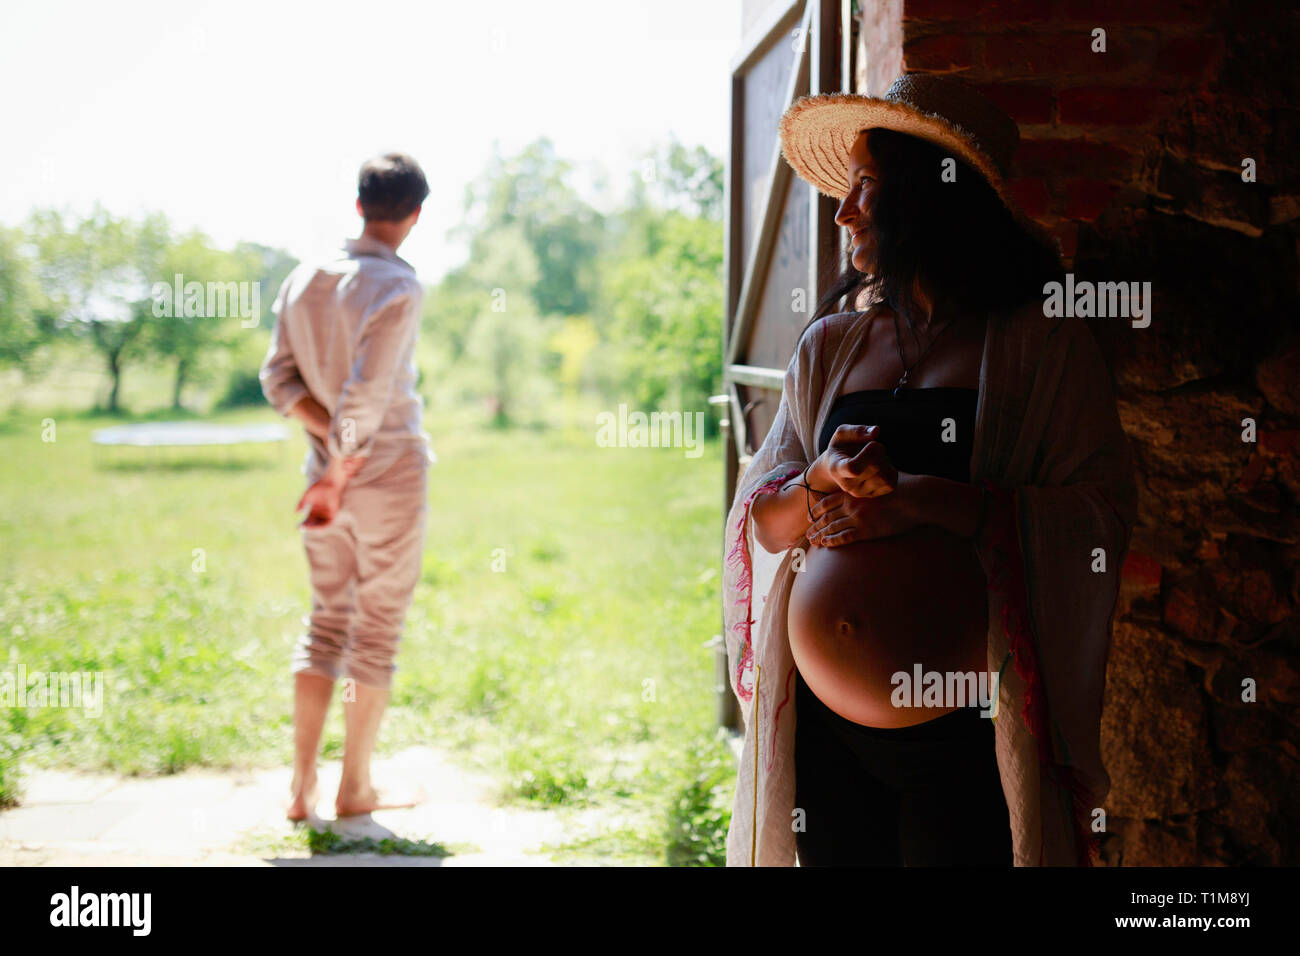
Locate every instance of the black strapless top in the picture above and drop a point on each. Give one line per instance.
(912, 427)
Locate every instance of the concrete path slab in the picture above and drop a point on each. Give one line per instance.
(236, 818)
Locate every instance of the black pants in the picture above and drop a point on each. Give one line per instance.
(926, 795)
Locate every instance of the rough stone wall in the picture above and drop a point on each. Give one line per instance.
(1133, 158)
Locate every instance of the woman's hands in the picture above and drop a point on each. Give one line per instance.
(852, 482)
(858, 464)
(841, 518)
(870, 501)
(864, 504)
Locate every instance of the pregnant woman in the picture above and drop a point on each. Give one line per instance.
(950, 488)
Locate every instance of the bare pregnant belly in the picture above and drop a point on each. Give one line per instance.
(862, 612)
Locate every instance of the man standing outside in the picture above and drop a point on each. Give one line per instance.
(341, 360)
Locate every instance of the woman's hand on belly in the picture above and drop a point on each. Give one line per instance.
(840, 519)
(862, 613)
(885, 587)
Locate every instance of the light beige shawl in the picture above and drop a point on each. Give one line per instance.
(1049, 443)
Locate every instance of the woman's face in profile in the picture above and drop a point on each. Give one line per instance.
(853, 213)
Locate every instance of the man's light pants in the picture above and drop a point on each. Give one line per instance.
(364, 568)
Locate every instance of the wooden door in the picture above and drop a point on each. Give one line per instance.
(780, 235)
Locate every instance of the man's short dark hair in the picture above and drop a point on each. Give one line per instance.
(391, 187)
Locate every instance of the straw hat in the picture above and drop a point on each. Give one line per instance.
(818, 132)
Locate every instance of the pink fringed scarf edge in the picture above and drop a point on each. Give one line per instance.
(1007, 580)
(739, 560)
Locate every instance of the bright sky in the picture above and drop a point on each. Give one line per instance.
(248, 120)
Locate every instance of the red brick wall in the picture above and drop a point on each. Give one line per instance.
(1090, 122)
(1133, 159)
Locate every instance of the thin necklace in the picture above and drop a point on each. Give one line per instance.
(902, 380)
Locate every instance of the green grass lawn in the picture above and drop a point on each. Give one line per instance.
(579, 674)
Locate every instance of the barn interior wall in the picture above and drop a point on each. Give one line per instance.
(1133, 157)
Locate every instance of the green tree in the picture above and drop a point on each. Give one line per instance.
(96, 275)
(680, 179)
(660, 301)
(532, 191)
(629, 304)
(505, 341)
(191, 333)
(452, 307)
(272, 266)
(663, 299)
(25, 319)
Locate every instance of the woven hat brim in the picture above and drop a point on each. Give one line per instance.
(818, 133)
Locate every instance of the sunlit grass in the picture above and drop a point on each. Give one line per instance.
(304, 840)
(557, 639)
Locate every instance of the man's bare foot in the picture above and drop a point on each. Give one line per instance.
(355, 803)
(302, 802)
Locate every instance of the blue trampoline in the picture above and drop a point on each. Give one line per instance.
(192, 436)
(172, 434)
